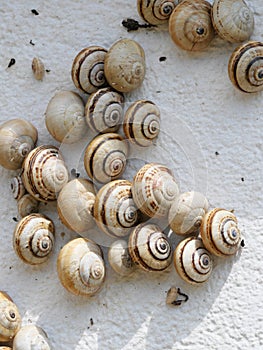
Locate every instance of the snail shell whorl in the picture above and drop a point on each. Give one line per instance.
(17, 187)
(31, 337)
(156, 11)
(27, 205)
(119, 258)
(10, 319)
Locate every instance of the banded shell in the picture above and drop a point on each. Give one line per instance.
(141, 123)
(156, 11)
(120, 259)
(10, 319)
(27, 205)
(31, 337)
(17, 187)
(38, 68)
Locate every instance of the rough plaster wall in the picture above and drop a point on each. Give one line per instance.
(201, 114)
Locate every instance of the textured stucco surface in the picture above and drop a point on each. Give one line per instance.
(202, 114)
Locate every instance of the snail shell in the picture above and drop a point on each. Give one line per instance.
(105, 157)
(192, 261)
(245, 67)
(142, 123)
(80, 266)
(190, 25)
(65, 118)
(149, 248)
(120, 259)
(154, 189)
(75, 205)
(10, 319)
(88, 69)
(233, 20)
(31, 337)
(17, 187)
(125, 65)
(44, 173)
(220, 233)
(187, 211)
(17, 138)
(38, 68)
(114, 208)
(156, 11)
(27, 205)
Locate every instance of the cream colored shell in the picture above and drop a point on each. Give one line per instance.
(38, 68)
(27, 205)
(17, 187)
(119, 258)
(10, 319)
(156, 11)
(31, 337)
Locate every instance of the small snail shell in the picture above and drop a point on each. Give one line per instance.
(65, 118)
(17, 187)
(88, 69)
(44, 173)
(149, 248)
(141, 123)
(80, 266)
(233, 20)
(31, 337)
(27, 205)
(187, 211)
(10, 319)
(34, 239)
(105, 157)
(190, 25)
(154, 189)
(114, 209)
(75, 205)
(156, 11)
(104, 110)
(120, 259)
(125, 65)
(17, 138)
(245, 67)
(192, 261)
(220, 233)
(38, 68)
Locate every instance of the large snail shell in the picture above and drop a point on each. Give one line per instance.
(156, 11)
(17, 138)
(192, 261)
(220, 233)
(125, 65)
(10, 319)
(120, 259)
(65, 118)
(31, 337)
(233, 20)
(27, 205)
(154, 189)
(141, 123)
(75, 205)
(17, 187)
(88, 69)
(187, 211)
(104, 110)
(114, 209)
(190, 25)
(44, 173)
(245, 67)
(34, 239)
(80, 266)
(105, 157)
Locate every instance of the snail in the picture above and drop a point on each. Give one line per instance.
(38, 68)
(44, 173)
(31, 337)
(149, 248)
(33, 239)
(190, 25)
(104, 110)
(65, 118)
(192, 261)
(154, 189)
(220, 232)
(10, 319)
(245, 67)
(88, 69)
(17, 187)
(125, 65)
(232, 20)
(156, 11)
(114, 210)
(187, 211)
(120, 259)
(17, 138)
(27, 205)
(105, 157)
(141, 123)
(80, 267)
(75, 205)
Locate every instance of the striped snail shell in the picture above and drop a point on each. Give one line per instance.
(245, 67)
(190, 25)
(88, 69)
(17, 187)
(141, 123)
(220, 233)
(156, 11)
(105, 157)
(104, 110)
(192, 261)
(81, 268)
(31, 337)
(33, 239)
(10, 319)
(149, 248)
(114, 208)
(27, 205)
(119, 258)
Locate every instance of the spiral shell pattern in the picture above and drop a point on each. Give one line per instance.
(27, 205)
(17, 187)
(156, 11)
(31, 337)
(10, 319)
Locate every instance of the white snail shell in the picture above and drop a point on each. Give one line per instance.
(27, 205)
(192, 261)
(10, 319)
(31, 337)
(187, 211)
(141, 123)
(220, 232)
(81, 268)
(38, 68)
(156, 11)
(17, 187)
(119, 258)
(17, 138)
